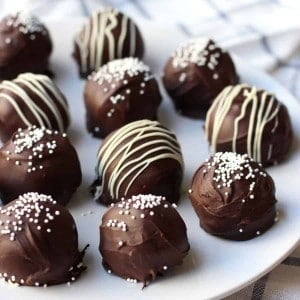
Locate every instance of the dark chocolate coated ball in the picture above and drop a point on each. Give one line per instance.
(233, 196)
(39, 160)
(31, 99)
(38, 242)
(246, 119)
(120, 92)
(195, 74)
(25, 45)
(106, 36)
(142, 237)
(139, 158)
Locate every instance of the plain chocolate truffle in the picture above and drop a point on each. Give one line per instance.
(142, 237)
(233, 196)
(31, 99)
(39, 160)
(142, 157)
(107, 35)
(38, 242)
(195, 74)
(25, 45)
(245, 119)
(120, 92)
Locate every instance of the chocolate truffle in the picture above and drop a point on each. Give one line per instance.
(142, 157)
(38, 242)
(39, 160)
(107, 35)
(31, 99)
(195, 74)
(141, 237)
(233, 196)
(245, 119)
(25, 45)
(122, 91)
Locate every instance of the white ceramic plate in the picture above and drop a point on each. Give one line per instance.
(215, 267)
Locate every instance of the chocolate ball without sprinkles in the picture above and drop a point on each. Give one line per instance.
(120, 92)
(39, 160)
(195, 74)
(141, 157)
(245, 119)
(142, 237)
(25, 45)
(38, 242)
(108, 35)
(31, 99)
(233, 196)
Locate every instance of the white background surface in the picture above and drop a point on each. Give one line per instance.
(215, 267)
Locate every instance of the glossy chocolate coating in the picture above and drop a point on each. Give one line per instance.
(31, 99)
(140, 157)
(245, 119)
(38, 242)
(233, 197)
(195, 74)
(143, 241)
(107, 35)
(122, 91)
(39, 160)
(25, 45)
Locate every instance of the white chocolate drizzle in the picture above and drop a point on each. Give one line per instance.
(99, 30)
(263, 109)
(45, 89)
(157, 143)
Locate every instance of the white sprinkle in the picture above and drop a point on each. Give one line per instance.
(8, 41)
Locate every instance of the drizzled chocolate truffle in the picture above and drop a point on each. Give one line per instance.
(233, 196)
(139, 158)
(141, 237)
(122, 91)
(39, 160)
(31, 99)
(38, 242)
(195, 74)
(25, 45)
(245, 119)
(108, 35)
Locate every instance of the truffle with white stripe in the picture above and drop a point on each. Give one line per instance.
(195, 74)
(31, 99)
(140, 157)
(25, 45)
(38, 242)
(141, 237)
(246, 119)
(233, 196)
(106, 36)
(120, 92)
(39, 160)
